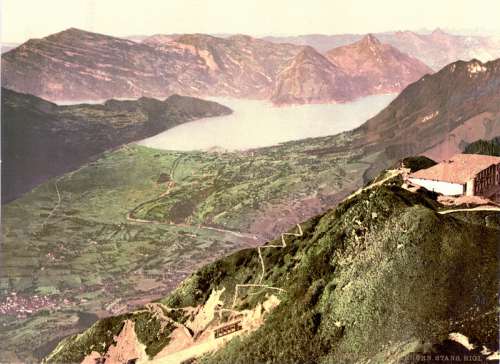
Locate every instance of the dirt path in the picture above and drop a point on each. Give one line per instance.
(259, 249)
(472, 209)
(171, 185)
(392, 173)
(58, 203)
(283, 245)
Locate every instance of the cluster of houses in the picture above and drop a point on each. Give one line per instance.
(462, 175)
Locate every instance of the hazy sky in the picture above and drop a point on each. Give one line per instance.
(24, 19)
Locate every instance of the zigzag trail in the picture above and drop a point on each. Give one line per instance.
(259, 249)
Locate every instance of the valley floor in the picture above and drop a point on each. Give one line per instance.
(126, 229)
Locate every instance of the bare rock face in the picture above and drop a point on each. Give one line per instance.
(440, 114)
(79, 65)
(377, 68)
(311, 78)
(239, 66)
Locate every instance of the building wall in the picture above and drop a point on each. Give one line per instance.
(469, 189)
(445, 188)
(487, 180)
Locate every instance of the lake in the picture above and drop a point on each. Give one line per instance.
(256, 123)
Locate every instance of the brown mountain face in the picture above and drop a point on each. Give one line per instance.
(239, 66)
(438, 115)
(377, 68)
(311, 78)
(79, 65)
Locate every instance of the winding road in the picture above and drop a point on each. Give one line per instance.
(171, 185)
(58, 203)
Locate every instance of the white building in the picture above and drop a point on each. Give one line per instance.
(463, 174)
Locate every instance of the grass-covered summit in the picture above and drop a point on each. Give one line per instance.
(381, 277)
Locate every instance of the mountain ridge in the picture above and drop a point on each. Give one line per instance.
(436, 50)
(311, 78)
(79, 65)
(74, 134)
(332, 280)
(377, 67)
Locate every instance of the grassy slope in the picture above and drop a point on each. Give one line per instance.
(99, 258)
(376, 275)
(41, 139)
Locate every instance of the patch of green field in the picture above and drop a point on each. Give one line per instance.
(84, 249)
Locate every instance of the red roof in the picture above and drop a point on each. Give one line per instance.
(458, 169)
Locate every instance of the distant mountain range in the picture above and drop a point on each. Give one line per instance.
(79, 65)
(435, 115)
(436, 49)
(376, 67)
(364, 68)
(41, 139)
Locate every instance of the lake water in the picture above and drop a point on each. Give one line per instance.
(256, 124)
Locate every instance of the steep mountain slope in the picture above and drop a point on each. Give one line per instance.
(261, 192)
(435, 49)
(376, 67)
(241, 66)
(439, 114)
(79, 65)
(311, 78)
(382, 276)
(41, 139)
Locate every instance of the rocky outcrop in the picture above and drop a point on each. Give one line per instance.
(377, 68)
(311, 78)
(79, 65)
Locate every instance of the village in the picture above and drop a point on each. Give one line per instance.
(22, 306)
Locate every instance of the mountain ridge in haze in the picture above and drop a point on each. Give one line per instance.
(436, 49)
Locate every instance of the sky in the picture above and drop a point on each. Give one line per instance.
(24, 19)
